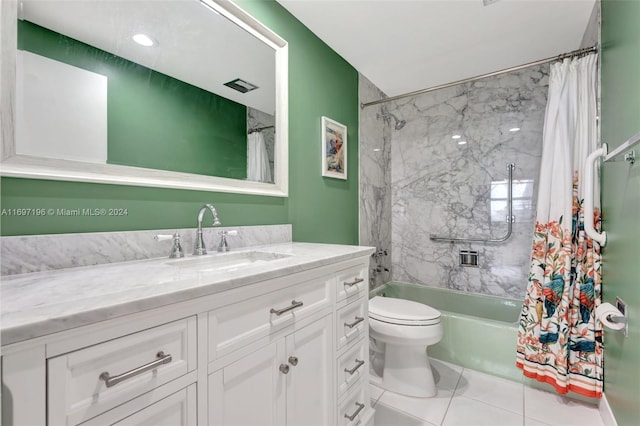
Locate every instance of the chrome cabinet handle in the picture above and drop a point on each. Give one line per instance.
(359, 363)
(112, 381)
(284, 368)
(279, 312)
(293, 360)
(354, 282)
(356, 322)
(353, 416)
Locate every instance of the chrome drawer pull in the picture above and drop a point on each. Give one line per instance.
(356, 322)
(353, 416)
(112, 381)
(359, 363)
(279, 312)
(354, 282)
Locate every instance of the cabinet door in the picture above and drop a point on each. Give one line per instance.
(310, 382)
(250, 391)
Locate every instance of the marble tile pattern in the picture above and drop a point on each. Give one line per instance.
(33, 253)
(375, 179)
(257, 119)
(41, 303)
(441, 187)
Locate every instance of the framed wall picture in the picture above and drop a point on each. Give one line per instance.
(334, 149)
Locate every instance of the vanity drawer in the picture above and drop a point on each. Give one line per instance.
(234, 326)
(352, 366)
(356, 409)
(351, 323)
(78, 388)
(352, 284)
(155, 408)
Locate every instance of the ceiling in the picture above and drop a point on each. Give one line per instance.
(403, 45)
(194, 44)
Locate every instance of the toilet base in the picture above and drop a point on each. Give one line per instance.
(407, 371)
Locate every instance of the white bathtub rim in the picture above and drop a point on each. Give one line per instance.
(606, 413)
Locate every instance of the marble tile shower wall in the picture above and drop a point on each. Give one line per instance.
(441, 186)
(375, 180)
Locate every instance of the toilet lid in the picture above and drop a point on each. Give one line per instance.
(401, 311)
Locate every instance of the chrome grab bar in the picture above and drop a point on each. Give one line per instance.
(357, 321)
(279, 312)
(353, 416)
(354, 282)
(359, 363)
(112, 381)
(510, 219)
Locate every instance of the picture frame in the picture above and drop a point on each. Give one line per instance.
(334, 149)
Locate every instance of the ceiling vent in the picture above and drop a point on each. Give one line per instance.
(241, 86)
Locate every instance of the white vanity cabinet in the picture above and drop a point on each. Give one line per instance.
(287, 350)
(288, 382)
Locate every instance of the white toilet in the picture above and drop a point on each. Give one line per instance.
(403, 329)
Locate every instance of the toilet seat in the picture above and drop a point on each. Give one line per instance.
(402, 312)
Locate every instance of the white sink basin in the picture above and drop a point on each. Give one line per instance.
(226, 261)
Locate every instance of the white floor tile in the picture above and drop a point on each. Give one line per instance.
(375, 393)
(445, 374)
(559, 410)
(387, 416)
(470, 412)
(492, 390)
(431, 410)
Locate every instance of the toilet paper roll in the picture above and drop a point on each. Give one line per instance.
(605, 312)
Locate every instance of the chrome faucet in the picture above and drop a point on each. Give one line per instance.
(176, 249)
(199, 247)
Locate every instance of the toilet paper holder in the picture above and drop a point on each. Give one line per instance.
(616, 319)
(613, 317)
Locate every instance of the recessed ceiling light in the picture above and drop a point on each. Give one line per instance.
(514, 129)
(462, 142)
(456, 137)
(376, 150)
(144, 40)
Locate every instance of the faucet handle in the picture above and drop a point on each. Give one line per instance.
(224, 246)
(176, 249)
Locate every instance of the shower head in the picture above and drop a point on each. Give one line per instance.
(399, 124)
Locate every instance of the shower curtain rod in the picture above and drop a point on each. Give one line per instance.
(579, 52)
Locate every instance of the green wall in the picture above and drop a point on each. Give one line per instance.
(154, 121)
(320, 209)
(620, 119)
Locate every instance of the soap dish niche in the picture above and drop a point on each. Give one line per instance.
(469, 258)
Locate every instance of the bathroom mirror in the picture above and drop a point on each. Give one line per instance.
(186, 112)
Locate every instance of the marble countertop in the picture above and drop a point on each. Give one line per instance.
(41, 303)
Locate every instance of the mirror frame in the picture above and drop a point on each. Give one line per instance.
(22, 166)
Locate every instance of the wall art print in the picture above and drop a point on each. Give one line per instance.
(334, 149)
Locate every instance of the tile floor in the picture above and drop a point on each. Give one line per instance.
(470, 398)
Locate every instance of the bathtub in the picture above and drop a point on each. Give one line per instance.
(479, 331)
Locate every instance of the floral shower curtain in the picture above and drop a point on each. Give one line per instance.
(559, 339)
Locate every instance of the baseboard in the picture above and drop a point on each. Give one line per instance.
(605, 412)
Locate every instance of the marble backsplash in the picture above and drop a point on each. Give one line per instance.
(23, 254)
(375, 182)
(440, 185)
